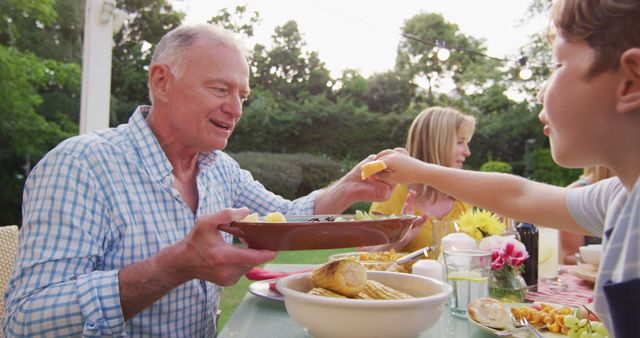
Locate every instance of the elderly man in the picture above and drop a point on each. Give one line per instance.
(120, 226)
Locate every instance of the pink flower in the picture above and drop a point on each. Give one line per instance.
(505, 251)
(496, 261)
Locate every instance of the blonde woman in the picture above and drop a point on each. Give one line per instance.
(440, 136)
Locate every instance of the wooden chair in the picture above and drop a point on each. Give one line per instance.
(8, 249)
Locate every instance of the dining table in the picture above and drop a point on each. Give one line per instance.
(263, 317)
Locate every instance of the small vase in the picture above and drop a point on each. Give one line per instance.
(507, 286)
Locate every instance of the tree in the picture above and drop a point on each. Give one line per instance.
(389, 92)
(352, 86)
(27, 133)
(40, 95)
(241, 21)
(148, 21)
(287, 69)
(418, 49)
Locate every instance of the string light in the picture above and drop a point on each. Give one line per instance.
(525, 73)
(443, 53)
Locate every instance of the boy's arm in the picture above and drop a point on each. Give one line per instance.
(508, 195)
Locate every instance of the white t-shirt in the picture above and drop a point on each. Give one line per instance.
(607, 209)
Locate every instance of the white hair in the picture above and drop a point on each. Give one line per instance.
(173, 46)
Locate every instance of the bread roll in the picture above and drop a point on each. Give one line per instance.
(489, 312)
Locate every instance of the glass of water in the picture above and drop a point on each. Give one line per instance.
(548, 257)
(468, 274)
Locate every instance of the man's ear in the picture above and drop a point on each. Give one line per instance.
(159, 81)
(629, 91)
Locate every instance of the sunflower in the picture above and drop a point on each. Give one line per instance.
(479, 223)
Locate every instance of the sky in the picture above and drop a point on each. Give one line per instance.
(364, 34)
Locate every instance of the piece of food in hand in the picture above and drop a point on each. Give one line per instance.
(251, 218)
(489, 312)
(379, 291)
(345, 276)
(275, 217)
(324, 292)
(371, 168)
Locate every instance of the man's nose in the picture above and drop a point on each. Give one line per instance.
(233, 106)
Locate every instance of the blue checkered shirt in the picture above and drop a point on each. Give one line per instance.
(102, 201)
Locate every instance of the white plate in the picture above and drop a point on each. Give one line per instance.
(261, 289)
(520, 333)
(587, 272)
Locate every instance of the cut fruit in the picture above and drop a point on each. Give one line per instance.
(469, 279)
(275, 217)
(545, 251)
(251, 218)
(371, 168)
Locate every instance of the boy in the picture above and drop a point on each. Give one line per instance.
(592, 117)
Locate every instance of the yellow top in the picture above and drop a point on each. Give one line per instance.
(394, 206)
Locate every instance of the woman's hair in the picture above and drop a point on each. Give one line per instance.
(173, 46)
(595, 174)
(610, 27)
(433, 136)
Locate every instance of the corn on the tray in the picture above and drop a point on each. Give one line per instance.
(325, 292)
(347, 278)
(376, 290)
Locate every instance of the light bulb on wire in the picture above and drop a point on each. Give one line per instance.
(525, 73)
(443, 54)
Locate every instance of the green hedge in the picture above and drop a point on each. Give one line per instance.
(497, 166)
(289, 175)
(544, 169)
(339, 129)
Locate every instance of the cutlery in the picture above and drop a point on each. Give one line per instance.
(523, 322)
(408, 258)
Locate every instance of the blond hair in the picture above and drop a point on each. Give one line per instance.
(597, 173)
(433, 136)
(610, 27)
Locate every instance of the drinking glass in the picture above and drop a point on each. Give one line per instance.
(468, 274)
(548, 256)
(439, 229)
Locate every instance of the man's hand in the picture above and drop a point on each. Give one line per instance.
(205, 255)
(350, 189)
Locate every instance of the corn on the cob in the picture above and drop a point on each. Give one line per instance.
(375, 290)
(345, 276)
(324, 292)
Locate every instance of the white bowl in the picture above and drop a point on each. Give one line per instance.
(339, 317)
(591, 253)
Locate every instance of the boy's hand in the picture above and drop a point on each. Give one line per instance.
(401, 168)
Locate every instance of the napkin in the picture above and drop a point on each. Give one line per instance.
(258, 274)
